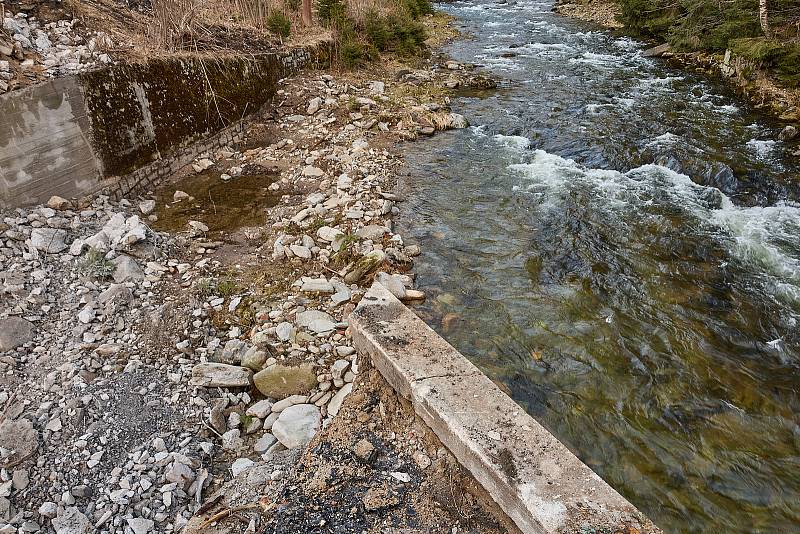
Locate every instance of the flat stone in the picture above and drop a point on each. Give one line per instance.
(280, 381)
(372, 232)
(49, 240)
(285, 331)
(313, 172)
(297, 425)
(221, 375)
(263, 443)
(127, 270)
(316, 285)
(393, 283)
(140, 525)
(261, 409)
(241, 465)
(336, 402)
(254, 359)
(285, 403)
(339, 367)
(71, 521)
(306, 318)
(329, 234)
(303, 253)
(14, 332)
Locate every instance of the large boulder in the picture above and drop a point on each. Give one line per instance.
(221, 375)
(14, 331)
(281, 381)
(297, 425)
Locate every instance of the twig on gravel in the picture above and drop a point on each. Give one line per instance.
(210, 428)
(225, 513)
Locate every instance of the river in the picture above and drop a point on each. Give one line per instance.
(617, 243)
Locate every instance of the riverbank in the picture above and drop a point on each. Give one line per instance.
(759, 86)
(183, 361)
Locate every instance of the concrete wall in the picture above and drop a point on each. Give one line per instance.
(45, 144)
(123, 129)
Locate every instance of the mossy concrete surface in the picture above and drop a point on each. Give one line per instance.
(534, 478)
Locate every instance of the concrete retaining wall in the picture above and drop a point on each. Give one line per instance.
(123, 129)
(532, 476)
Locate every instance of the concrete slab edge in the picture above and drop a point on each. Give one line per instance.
(531, 475)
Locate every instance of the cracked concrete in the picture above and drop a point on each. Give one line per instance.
(532, 476)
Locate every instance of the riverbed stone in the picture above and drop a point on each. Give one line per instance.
(126, 270)
(297, 425)
(71, 521)
(221, 375)
(14, 332)
(49, 240)
(336, 402)
(365, 265)
(280, 381)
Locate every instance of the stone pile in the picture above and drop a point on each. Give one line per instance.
(30, 49)
(130, 377)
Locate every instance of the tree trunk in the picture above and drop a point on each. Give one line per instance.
(763, 16)
(307, 12)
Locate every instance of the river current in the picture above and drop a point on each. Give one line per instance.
(617, 244)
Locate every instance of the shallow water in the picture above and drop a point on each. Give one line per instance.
(618, 243)
(221, 205)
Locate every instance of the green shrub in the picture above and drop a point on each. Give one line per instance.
(279, 24)
(95, 265)
(418, 8)
(394, 33)
(331, 12)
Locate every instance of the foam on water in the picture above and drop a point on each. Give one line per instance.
(761, 147)
(513, 141)
(765, 238)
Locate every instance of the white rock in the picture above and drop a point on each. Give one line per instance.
(71, 521)
(297, 425)
(147, 206)
(264, 443)
(221, 375)
(49, 240)
(313, 172)
(285, 331)
(241, 465)
(336, 402)
(140, 525)
(261, 409)
(316, 285)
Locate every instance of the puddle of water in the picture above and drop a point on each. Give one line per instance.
(223, 206)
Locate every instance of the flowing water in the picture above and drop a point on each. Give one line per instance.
(617, 243)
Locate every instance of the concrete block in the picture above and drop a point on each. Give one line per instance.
(532, 476)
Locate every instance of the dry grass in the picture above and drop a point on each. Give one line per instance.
(176, 22)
